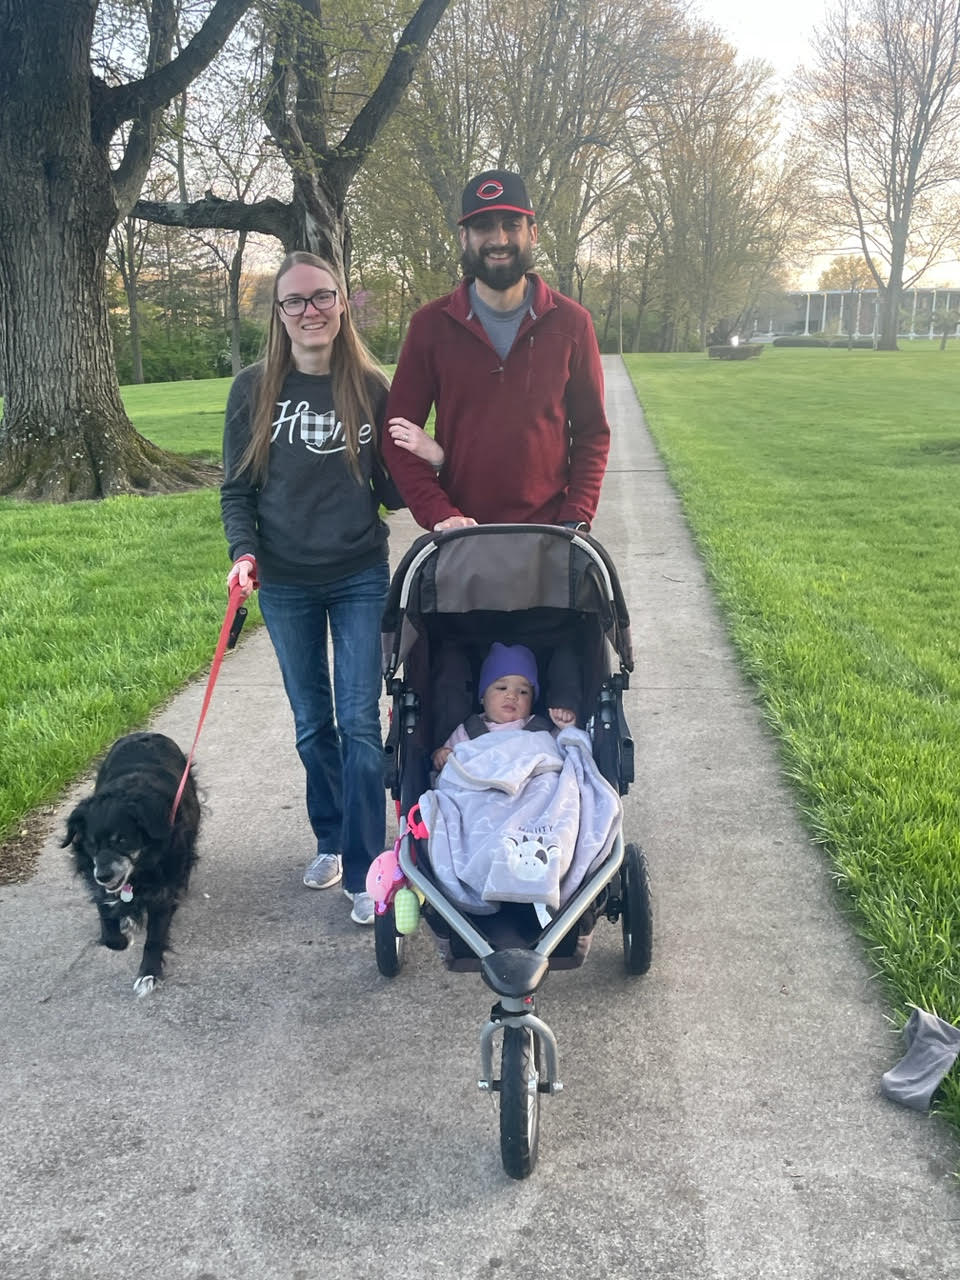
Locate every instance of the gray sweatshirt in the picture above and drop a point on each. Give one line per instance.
(311, 521)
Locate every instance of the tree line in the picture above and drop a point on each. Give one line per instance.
(150, 143)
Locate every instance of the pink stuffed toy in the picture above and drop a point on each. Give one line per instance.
(384, 878)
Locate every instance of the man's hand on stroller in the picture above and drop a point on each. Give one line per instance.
(454, 522)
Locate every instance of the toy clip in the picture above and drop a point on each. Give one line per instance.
(416, 825)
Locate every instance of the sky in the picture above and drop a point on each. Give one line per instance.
(780, 34)
(760, 29)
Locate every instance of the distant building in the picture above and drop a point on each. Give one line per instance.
(835, 311)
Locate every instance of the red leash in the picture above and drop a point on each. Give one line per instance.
(229, 632)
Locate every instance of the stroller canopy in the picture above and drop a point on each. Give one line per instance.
(503, 568)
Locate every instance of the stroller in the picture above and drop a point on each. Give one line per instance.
(552, 589)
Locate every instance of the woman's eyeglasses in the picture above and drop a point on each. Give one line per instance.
(322, 300)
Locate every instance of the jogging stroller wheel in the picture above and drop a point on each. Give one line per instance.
(636, 912)
(389, 944)
(519, 1101)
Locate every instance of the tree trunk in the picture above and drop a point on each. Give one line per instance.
(236, 270)
(65, 434)
(564, 273)
(136, 346)
(891, 293)
(131, 277)
(317, 223)
(127, 263)
(889, 318)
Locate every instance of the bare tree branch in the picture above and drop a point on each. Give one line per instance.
(270, 217)
(128, 177)
(112, 105)
(381, 104)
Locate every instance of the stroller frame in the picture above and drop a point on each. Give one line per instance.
(514, 970)
(618, 888)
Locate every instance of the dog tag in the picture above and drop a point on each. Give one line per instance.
(126, 893)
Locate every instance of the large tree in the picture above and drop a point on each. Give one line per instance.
(64, 432)
(848, 272)
(881, 105)
(310, 77)
(724, 209)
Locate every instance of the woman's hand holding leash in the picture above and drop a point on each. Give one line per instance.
(244, 575)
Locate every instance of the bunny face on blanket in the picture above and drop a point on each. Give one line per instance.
(530, 856)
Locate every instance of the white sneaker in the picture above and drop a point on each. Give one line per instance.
(323, 871)
(363, 909)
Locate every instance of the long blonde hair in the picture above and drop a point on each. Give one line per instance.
(353, 370)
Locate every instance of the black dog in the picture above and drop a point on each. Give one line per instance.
(135, 862)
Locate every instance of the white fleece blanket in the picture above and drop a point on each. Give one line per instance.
(519, 817)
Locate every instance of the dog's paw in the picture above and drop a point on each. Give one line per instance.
(116, 941)
(146, 983)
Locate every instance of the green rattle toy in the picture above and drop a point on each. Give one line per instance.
(406, 911)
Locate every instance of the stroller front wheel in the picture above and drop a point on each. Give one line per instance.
(390, 945)
(519, 1101)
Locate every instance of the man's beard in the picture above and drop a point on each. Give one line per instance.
(502, 276)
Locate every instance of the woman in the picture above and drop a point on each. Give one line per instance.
(300, 501)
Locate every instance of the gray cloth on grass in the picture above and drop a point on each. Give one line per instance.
(932, 1049)
(519, 817)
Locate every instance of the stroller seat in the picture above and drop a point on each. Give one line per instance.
(448, 604)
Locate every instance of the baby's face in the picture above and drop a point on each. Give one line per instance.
(509, 698)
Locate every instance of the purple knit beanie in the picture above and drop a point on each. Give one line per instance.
(508, 660)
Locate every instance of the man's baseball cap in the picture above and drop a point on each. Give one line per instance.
(495, 189)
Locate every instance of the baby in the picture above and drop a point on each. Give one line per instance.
(508, 688)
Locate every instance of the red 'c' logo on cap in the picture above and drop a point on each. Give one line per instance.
(490, 189)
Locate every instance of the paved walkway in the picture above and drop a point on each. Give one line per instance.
(278, 1111)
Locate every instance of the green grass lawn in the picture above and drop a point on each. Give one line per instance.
(184, 417)
(106, 608)
(822, 487)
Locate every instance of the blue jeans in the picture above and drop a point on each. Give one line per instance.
(342, 754)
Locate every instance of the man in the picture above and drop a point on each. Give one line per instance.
(513, 369)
